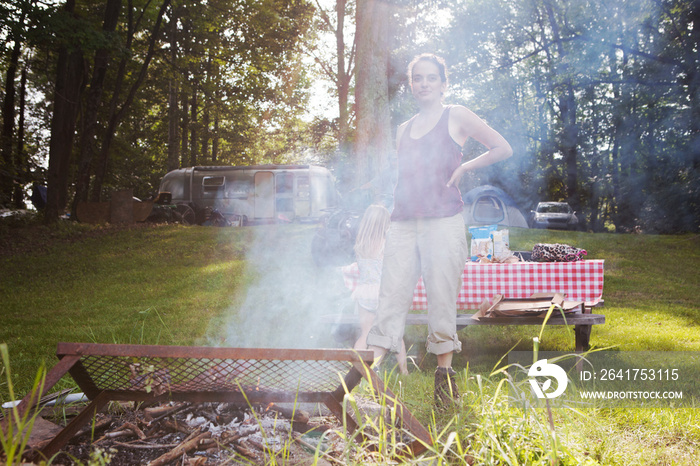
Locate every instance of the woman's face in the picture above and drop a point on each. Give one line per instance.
(426, 83)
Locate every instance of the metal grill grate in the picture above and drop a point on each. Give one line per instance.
(124, 373)
(196, 374)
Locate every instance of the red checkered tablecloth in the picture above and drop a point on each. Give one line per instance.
(580, 281)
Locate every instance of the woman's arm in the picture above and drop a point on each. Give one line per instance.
(464, 124)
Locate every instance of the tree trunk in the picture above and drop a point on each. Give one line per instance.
(567, 112)
(206, 115)
(624, 117)
(92, 105)
(68, 87)
(341, 75)
(21, 163)
(185, 132)
(693, 77)
(373, 138)
(615, 161)
(693, 84)
(205, 135)
(8, 174)
(173, 114)
(116, 117)
(215, 141)
(343, 79)
(193, 129)
(569, 143)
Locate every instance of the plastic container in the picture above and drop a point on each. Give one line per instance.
(482, 242)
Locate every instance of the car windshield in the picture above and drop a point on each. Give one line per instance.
(554, 208)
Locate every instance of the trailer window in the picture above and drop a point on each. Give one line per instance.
(239, 185)
(303, 187)
(284, 200)
(285, 183)
(213, 183)
(212, 186)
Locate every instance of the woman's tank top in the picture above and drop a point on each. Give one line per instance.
(425, 165)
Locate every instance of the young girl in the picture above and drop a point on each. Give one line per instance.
(369, 252)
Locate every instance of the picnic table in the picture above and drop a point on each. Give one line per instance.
(580, 281)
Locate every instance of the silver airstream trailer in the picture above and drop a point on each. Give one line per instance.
(256, 193)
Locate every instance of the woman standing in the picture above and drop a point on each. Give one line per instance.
(427, 234)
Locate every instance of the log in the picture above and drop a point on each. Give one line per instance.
(115, 434)
(296, 415)
(185, 447)
(228, 437)
(156, 412)
(148, 446)
(177, 409)
(206, 444)
(125, 430)
(138, 432)
(176, 426)
(243, 450)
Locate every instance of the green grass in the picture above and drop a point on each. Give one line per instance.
(160, 285)
(257, 286)
(650, 294)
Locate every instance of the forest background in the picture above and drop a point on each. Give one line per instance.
(600, 100)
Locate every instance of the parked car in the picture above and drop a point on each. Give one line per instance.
(555, 215)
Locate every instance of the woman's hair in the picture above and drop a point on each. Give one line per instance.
(432, 58)
(372, 232)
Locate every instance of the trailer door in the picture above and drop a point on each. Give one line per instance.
(302, 198)
(284, 195)
(264, 195)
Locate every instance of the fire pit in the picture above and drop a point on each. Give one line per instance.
(204, 374)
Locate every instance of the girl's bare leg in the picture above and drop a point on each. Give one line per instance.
(366, 322)
(401, 359)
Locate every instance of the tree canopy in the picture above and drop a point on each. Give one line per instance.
(600, 100)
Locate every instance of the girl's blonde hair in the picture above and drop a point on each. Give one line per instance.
(372, 232)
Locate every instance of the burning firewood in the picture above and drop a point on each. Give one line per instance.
(216, 431)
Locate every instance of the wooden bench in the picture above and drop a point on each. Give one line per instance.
(582, 322)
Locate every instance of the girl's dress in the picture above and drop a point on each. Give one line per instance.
(366, 293)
